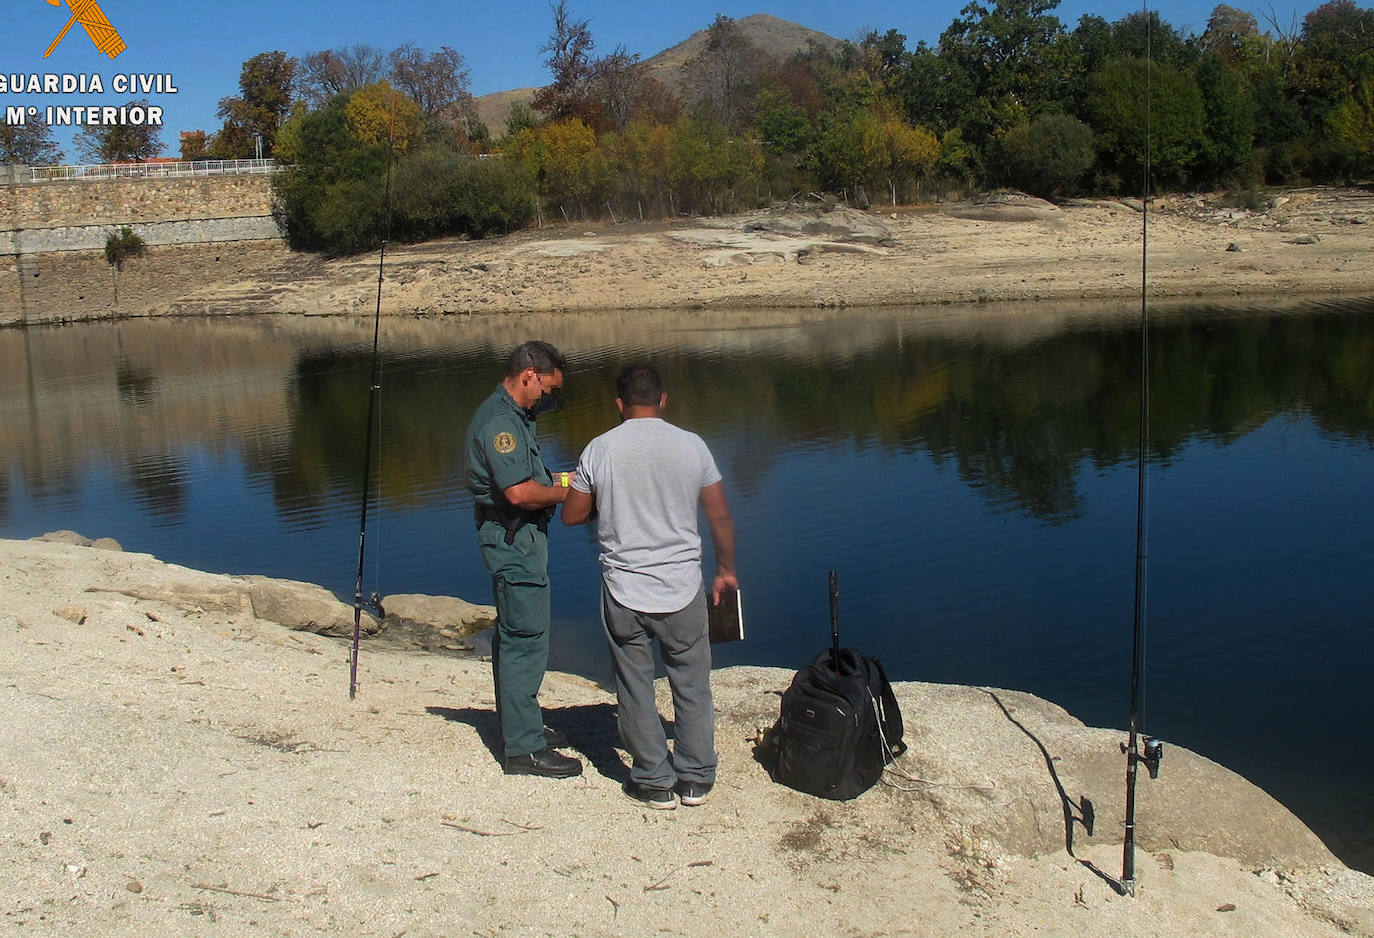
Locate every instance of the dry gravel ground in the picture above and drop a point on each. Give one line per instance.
(1303, 242)
(171, 770)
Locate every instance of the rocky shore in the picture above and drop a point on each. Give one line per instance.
(1004, 247)
(179, 755)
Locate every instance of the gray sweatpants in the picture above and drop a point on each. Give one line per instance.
(686, 651)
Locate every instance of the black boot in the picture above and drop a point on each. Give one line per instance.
(545, 762)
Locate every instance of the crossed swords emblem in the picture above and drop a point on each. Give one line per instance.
(94, 21)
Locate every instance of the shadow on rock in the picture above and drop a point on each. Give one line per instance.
(590, 728)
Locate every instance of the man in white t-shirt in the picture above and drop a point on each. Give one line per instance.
(642, 483)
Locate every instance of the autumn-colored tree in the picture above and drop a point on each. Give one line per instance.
(710, 169)
(572, 165)
(251, 120)
(568, 56)
(378, 114)
(910, 153)
(1352, 126)
(1228, 33)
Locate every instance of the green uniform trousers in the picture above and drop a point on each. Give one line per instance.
(520, 649)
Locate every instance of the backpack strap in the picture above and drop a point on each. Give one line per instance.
(889, 714)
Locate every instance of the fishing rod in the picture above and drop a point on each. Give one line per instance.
(1140, 748)
(374, 389)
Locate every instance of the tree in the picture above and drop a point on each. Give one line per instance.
(1352, 126)
(120, 246)
(883, 57)
(707, 165)
(909, 153)
(1228, 144)
(1335, 54)
(339, 71)
(850, 149)
(119, 143)
(572, 166)
(1049, 156)
(1175, 118)
(332, 196)
(379, 115)
(251, 120)
(29, 144)
(436, 81)
(1141, 35)
(437, 190)
(1008, 54)
(568, 58)
(933, 91)
(521, 117)
(724, 73)
(622, 89)
(1228, 32)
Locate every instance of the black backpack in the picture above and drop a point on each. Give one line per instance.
(840, 725)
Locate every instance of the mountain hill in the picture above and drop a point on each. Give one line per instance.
(777, 38)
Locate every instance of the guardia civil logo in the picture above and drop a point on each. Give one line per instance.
(97, 25)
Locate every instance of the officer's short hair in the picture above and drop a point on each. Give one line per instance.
(541, 356)
(639, 385)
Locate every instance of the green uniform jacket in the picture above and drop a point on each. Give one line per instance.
(502, 451)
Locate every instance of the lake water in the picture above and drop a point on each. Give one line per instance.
(969, 473)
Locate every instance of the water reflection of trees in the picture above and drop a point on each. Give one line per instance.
(1018, 420)
(160, 485)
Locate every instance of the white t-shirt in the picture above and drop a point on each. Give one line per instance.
(647, 476)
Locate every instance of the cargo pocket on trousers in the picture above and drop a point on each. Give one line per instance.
(522, 604)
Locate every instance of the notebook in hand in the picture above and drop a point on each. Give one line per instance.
(726, 617)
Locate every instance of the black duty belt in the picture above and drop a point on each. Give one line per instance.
(512, 518)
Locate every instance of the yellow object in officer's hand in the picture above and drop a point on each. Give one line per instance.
(563, 480)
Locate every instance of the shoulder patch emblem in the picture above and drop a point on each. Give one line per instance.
(504, 443)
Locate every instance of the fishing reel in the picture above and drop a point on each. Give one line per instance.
(1152, 754)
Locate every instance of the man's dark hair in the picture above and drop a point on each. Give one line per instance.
(639, 385)
(541, 356)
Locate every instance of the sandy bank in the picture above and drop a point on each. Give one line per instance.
(170, 769)
(1304, 242)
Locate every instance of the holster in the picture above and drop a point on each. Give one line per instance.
(513, 519)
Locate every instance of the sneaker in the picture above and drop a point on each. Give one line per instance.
(693, 793)
(660, 799)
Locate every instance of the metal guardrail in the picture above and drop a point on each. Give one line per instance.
(151, 170)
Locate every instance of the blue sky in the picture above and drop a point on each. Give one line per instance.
(203, 45)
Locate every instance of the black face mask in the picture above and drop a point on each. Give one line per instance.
(548, 401)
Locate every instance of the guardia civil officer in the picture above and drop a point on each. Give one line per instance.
(514, 498)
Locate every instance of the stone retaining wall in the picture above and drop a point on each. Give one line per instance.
(80, 203)
(92, 237)
(68, 285)
(52, 239)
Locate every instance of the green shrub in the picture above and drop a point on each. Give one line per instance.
(122, 245)
(334, 199)
(1049, 156)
